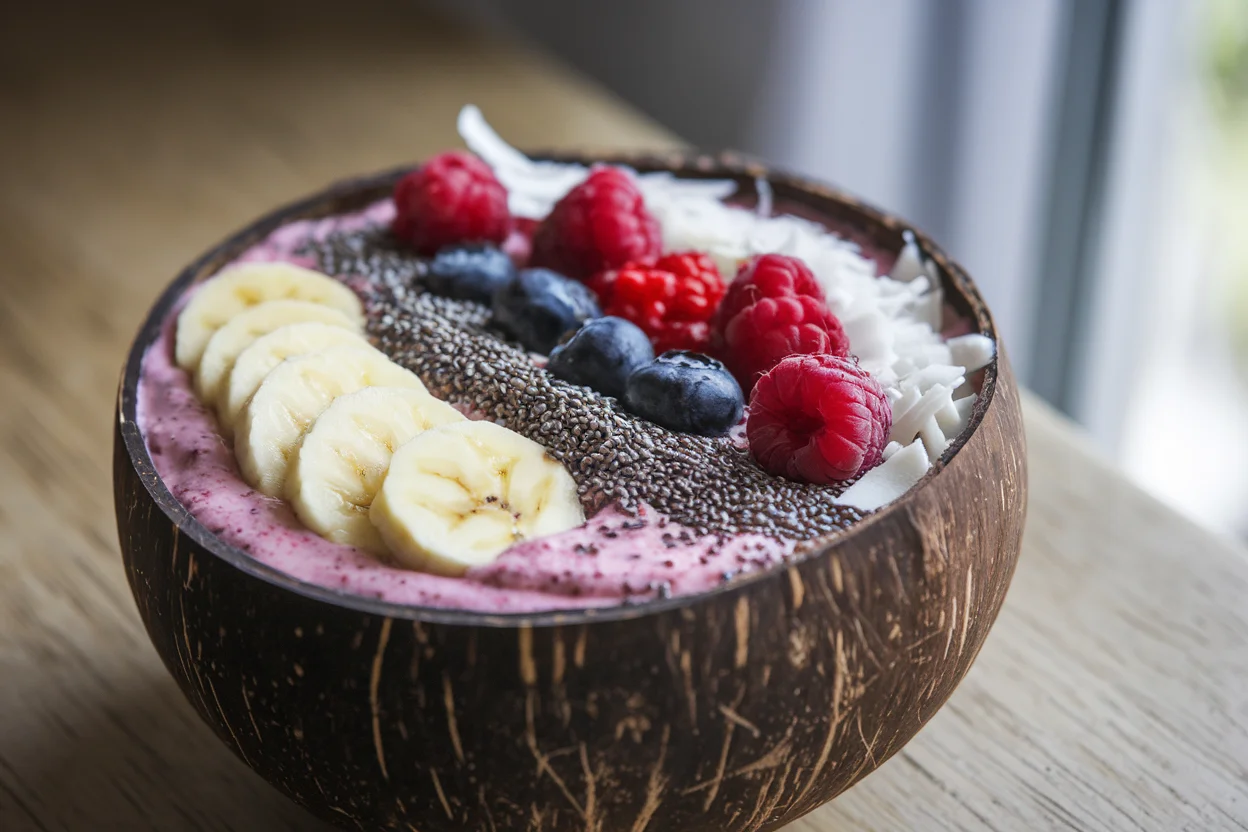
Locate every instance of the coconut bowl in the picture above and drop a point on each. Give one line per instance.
(742, 708)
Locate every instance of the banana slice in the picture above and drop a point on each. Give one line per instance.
(457, 495)
(265, 353)
(227, 342)
(344, 457)
(250, 284)
(293, 395)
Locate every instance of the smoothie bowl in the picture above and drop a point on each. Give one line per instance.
(663, 493)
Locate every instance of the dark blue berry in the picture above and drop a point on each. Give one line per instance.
(539, 307)
(469, 272)
(687, 392)
(601, 355)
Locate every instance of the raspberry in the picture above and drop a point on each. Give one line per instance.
(454, 198)
(766, 276)
(602, 223)
(818, 419)
(519, 243)
(525, 226)
(765, 332)
(671, 300)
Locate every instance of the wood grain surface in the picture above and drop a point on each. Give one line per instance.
(1112, 694)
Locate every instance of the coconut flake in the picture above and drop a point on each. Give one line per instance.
(973, 351)
(893, 321)
(888, 480)
(946, 375)
(661, 186)
(766, 198)
(954, 419)
(533, 188)
(930, 308)
(909, 263)
(486, 143)
(907, 425)
(933, 438)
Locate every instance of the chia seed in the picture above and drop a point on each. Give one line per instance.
(701, 482)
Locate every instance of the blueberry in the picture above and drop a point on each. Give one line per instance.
(687, 392)
(469, 272)
(539, 307)
(601, 355)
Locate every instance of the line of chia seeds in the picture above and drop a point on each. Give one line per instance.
(704, 483)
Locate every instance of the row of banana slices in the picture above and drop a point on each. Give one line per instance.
(356, 444)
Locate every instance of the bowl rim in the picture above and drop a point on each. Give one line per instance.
(814, 194)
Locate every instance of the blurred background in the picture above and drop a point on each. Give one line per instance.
(1087, 160)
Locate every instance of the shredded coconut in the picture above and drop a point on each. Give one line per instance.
(888, 480)
(893, 321)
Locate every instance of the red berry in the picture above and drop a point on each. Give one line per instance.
(519, 243)
(602, 223)
(771, 329)
(818, 419)
(671, 300)
(454, 198)
(526, 227)
(765, 276)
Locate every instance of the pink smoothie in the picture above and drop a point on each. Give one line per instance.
(615, 558)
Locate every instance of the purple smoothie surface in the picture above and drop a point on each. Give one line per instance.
(619, 556)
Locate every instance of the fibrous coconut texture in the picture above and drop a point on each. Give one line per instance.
(893, 321)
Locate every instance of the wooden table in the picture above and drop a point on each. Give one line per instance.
(1112, 694)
